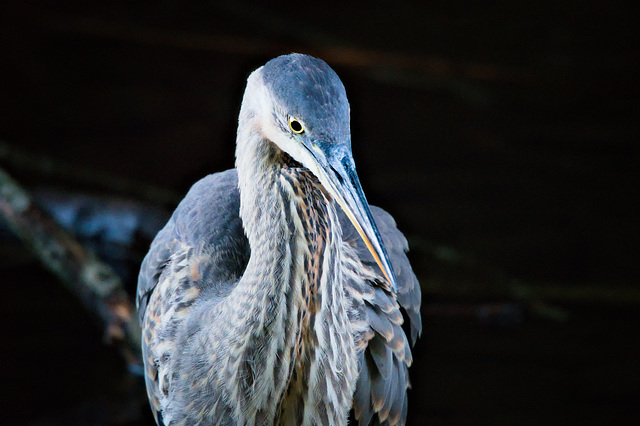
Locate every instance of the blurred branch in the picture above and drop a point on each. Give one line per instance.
(94, 283)
(49, 168)
(459, 275)
(397, 67)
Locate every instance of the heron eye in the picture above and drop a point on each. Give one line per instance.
(295, 125)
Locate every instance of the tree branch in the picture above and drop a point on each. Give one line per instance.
(47, 167)
(94, 283)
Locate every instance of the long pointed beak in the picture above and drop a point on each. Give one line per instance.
(341, 180)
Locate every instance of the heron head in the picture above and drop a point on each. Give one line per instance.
(301, 106)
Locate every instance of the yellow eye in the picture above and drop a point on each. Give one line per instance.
(295, 125)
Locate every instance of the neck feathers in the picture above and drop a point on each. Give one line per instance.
(299, 340)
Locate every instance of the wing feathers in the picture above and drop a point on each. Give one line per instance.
(381, 390)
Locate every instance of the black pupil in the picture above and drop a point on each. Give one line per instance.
(296, 126)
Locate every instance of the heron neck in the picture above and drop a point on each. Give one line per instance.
(292, 288)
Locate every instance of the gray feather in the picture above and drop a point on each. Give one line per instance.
(211, 211)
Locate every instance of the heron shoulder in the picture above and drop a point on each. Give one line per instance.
(208, 222)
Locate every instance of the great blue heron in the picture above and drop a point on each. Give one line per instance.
(269, 296)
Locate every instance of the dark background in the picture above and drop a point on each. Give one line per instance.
(502, 136)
